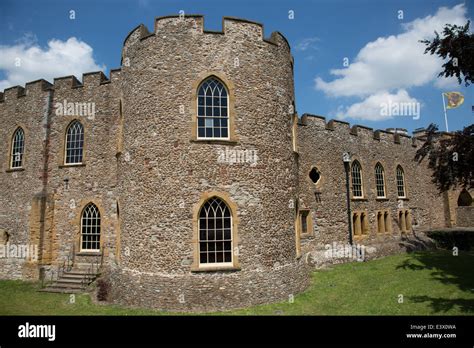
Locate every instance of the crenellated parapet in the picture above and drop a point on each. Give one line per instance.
(319, 124)
(234, 28)
(89, 80)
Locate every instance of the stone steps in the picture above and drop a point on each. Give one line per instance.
(72, 281)
(62, 291)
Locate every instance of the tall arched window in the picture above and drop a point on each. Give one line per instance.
(90, 228)
(356, 175)
(401, 182)
(18, 148)
(379, 181)
(215, 232)
(213, 110)
(74, 143)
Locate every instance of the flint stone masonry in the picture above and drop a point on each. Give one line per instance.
(148, 174)
(465, 216)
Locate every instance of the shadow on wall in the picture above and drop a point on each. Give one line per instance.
(455, 270)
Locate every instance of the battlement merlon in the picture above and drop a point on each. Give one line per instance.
(16, 92)
(320, 123)
(231, 26)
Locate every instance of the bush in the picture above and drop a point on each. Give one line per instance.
(103, 288)
(463, 240)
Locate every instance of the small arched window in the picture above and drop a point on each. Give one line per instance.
(379, 181)
(314, 175)
(74, 143)
(18, 148)
(215, 233)
(464, 199)
(90, 228)
(356, 175)
(213, 110)
(401, 182)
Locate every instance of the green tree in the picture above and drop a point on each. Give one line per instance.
(457, 46)
(450, 157)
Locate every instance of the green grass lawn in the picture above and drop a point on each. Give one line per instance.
(430, 282)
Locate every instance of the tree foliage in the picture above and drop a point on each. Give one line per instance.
(457, 46)
(450, 157)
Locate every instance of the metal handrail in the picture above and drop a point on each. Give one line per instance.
(97, 265)
(66, 266)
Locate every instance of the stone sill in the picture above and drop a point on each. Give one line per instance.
(216, 269)
(11, 170)
(403, 198)
(360, 236)
(89, 253)
(72, 165)
(214, 142)
(382, 199)
(362, 199)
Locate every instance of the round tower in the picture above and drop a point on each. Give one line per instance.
(207, 172)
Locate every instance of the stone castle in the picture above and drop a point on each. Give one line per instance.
(190, 176)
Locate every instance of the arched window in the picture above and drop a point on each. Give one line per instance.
(379, 181)
(215, 232)
(464, 199)
(401, 182)
(74, 143)
(314, 175)
(90, 228)
(18, 148)
(356, 174)
(213, 110)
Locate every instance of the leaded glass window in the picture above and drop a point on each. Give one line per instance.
(215, 232)
(213, 110)
(18, 148)
(90, 228)
(379, 180)
(74, 143)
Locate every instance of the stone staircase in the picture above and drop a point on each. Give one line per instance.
(75, 280)
(415, 242)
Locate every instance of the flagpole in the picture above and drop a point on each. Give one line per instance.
(445, 115)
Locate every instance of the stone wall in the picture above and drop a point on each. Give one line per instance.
(74, 186)
(465, 216)
(321, 144)
(164, 171)
(27, 108)
(41, 202)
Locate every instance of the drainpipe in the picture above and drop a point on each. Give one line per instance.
(44, 190)
(346, 158)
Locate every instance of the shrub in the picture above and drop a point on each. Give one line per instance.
(463, 240)
(103, 288)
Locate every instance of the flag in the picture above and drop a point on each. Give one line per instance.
(454, 99)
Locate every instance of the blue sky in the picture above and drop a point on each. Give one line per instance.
(385, 60)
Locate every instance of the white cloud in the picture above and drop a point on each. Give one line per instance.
(305, 44)
(59, 58)
(371, 108)
(447, 83)
(393, 63)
